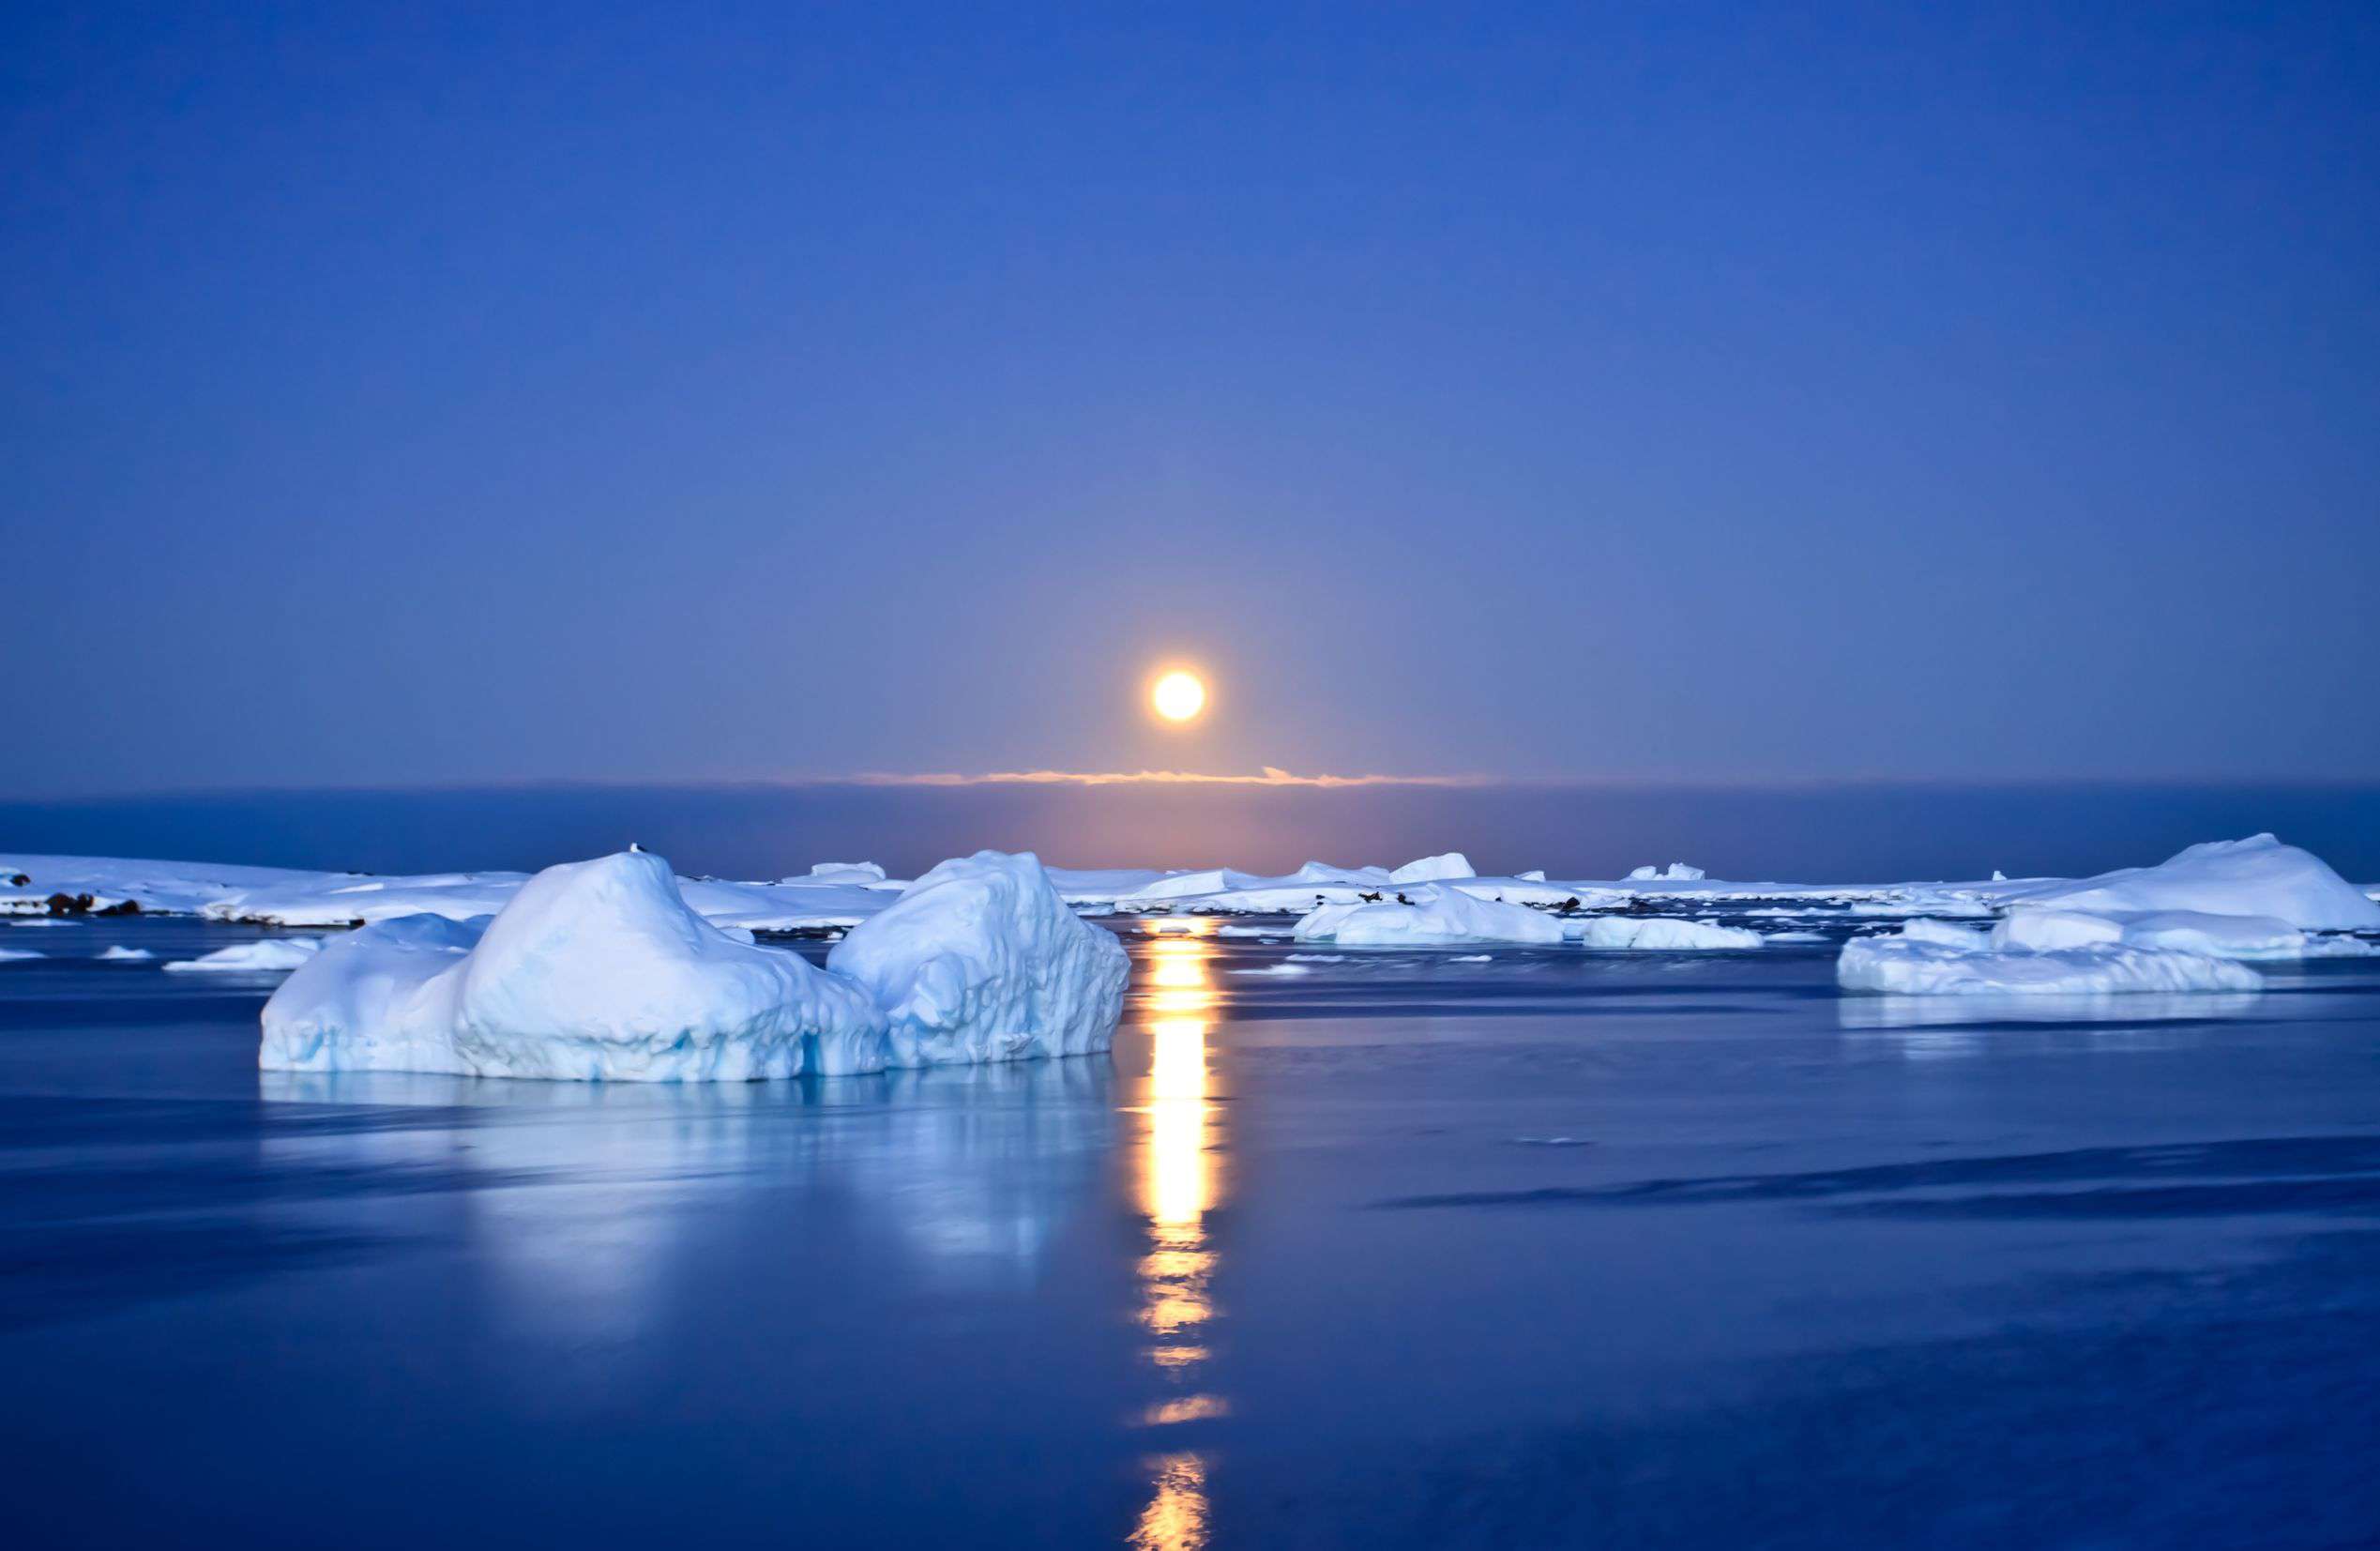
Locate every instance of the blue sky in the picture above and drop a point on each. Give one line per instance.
(428, 394)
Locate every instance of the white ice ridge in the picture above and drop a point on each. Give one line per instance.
(601, 970)
(1678, 873)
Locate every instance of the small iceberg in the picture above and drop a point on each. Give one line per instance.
(270, 956)
(1437, 917)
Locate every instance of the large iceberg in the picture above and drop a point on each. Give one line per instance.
(593, 970)
(601, 970)
(1437, 914)
(980, 959)
(2256, 877)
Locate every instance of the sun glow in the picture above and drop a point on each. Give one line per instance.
(1178, 696)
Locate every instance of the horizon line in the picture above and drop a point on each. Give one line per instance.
(1270, 776)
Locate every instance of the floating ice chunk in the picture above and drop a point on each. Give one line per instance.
(1473, 958)
(121, 954)
(2256, 877)
(1659, 933)
(595, 970)
(18, 956)
(1452, 864)
(1283, 968)
(1318, 958)
(1908, 966)
(980, 959)
(1535, 874)
(270, 956)
(1678, 872)
(1437, 914)
(1796, 936)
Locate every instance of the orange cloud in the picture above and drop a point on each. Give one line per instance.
(1269, 776)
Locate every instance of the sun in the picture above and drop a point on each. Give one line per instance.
(1178, 696)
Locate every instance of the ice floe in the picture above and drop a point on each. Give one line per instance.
(121, 954)
(1662, 933)
(1940, 960)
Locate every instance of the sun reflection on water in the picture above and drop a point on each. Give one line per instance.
(1178, 1188)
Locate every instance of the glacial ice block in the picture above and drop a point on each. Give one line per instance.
(593, 970)
(981, 960)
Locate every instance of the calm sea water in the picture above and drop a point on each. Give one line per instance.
(1401, 1250)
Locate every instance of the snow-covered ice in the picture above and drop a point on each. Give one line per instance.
(980, 959)
(121, 954)
(269, 957)
(18, 956)
(1678, 872)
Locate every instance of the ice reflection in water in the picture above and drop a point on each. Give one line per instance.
(580, 1200)
(1896, 1013)
(1178, 1187)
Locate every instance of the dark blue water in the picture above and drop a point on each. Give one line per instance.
(1551, 1249)
(1841, 833)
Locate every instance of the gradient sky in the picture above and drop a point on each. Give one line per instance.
(432, 394)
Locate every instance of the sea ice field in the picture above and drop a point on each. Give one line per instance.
(1376, 1230)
